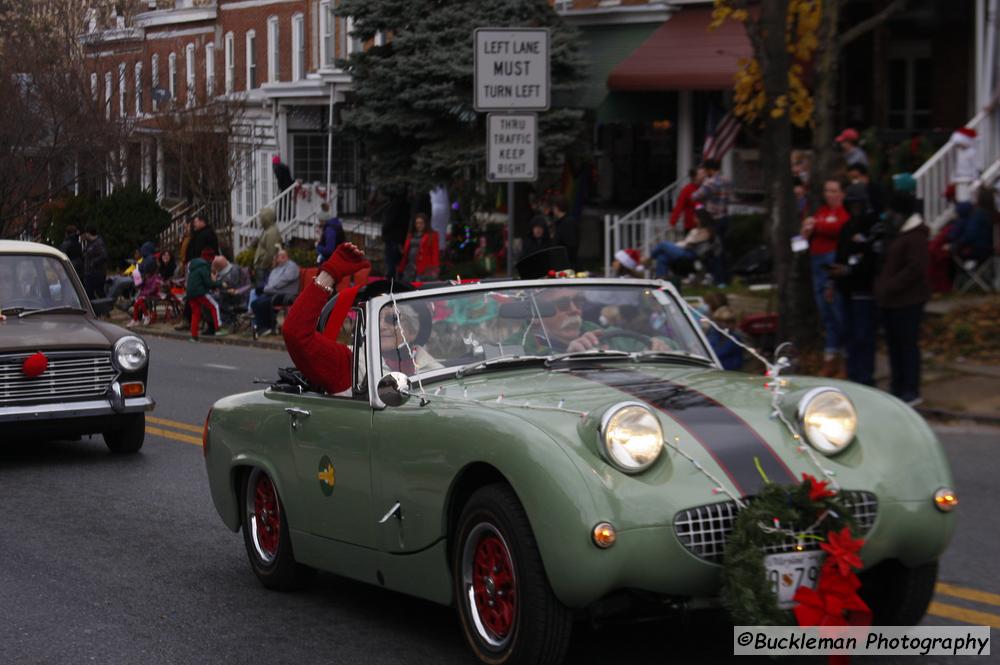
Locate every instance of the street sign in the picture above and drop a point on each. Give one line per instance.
(512, 69)
(511, 147)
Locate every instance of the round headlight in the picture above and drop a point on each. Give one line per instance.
(632, 437)
(130, 354)
(827, 419)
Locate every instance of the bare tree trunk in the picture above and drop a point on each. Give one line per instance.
(794, 309)
(826, 66)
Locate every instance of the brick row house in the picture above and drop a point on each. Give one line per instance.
(273, 61)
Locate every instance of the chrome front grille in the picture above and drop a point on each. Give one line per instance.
(71, 375)
(704, 530)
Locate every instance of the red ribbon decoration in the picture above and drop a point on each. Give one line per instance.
(817, 488)
(35, 365)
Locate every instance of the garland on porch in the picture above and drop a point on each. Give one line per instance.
(774, 516)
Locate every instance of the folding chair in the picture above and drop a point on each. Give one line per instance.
(970, 273)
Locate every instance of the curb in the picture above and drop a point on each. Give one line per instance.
(232, 340)
(948, 415)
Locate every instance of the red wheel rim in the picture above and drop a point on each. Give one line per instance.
(493, 585)
(268, 516)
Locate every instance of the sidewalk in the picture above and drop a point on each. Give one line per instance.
(166, 329)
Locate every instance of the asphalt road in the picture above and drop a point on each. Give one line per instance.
(123, 559)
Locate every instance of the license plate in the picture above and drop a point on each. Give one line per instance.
(787, 572)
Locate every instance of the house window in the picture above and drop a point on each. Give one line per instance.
(251, 60)
(93, 86)
(910, 93)
(154, 78)
(172, 76)
(107, 95)
(209, 70)
(189, 71)
(122, 110)
(563, 5)
(230, 63)
(309, 159)
(328, 32)
(138, 88)
(272, 49)
(298, 47)
(353, 43)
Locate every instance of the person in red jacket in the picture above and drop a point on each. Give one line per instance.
(421, 252)
(318, 355)
(685, 204)
(822, 229)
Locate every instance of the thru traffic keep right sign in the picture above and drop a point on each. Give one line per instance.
(511, 147)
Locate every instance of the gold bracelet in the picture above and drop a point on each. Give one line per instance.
(328, 289)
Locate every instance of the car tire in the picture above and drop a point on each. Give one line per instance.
(897, 595)
(510, 616)
(265, 534)
(128, 436)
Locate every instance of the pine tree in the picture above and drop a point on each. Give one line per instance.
(413, 102)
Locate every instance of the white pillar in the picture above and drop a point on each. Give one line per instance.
(979, 26)
(282, 138)
(685, 133)
(160, 175)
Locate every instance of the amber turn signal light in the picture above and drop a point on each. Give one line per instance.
(604, 535)
(945, 499)
(135, 389)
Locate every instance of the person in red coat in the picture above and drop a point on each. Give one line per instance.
(421, 252)
(318, 355)
(685, 204)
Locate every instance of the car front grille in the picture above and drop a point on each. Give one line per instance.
(71, 375)
(704, 530)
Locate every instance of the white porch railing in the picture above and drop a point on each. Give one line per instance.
(296, 217)
(641, 228)
(934, 176)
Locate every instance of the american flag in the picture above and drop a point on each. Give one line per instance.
(720, 134)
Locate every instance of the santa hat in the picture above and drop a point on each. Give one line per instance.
(629, 258)
(276, 159)
(964, 136)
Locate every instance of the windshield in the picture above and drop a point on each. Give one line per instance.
(35, 282)
(456, 329)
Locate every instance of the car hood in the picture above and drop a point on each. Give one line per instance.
(53, 331)
(721, 420)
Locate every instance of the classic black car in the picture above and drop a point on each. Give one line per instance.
(63, 372)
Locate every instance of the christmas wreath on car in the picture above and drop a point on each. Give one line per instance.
(806, 513)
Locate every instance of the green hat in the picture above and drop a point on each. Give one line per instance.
(904, 182)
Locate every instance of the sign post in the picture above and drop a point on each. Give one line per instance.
(512, 75)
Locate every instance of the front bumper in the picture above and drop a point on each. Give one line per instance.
(44, 413)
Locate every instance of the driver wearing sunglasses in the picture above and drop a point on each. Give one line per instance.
(561, 327)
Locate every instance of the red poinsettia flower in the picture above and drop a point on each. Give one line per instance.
(818, 609)
(818, 489)
(843, 550)
(831, 581)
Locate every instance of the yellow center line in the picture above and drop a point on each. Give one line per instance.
(173, 435)
(175, 424)
(975, 595)
(974, 617)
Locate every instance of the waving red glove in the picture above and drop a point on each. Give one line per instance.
(346, 260)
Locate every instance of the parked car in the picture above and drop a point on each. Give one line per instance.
(534, 461)
(63, 372)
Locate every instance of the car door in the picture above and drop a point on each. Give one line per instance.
(331, 439)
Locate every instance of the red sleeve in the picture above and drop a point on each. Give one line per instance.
(679, 206)
(322, 360)
(435, 250)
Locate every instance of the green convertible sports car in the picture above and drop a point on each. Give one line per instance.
(532, 451)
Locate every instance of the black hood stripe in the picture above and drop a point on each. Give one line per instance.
(729, 439)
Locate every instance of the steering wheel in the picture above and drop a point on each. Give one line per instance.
(607, 333)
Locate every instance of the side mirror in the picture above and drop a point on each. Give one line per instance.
(102, 306)
(394, 389)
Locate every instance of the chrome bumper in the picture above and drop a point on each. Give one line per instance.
(86, 409)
